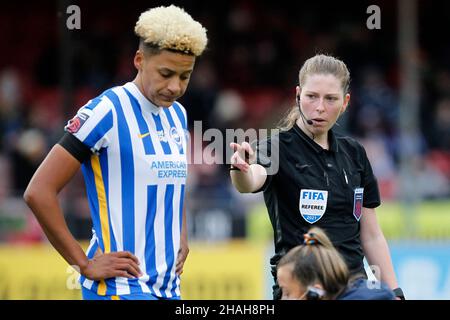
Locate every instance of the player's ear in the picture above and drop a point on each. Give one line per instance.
(138, 60)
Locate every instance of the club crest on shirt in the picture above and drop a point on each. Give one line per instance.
(312, 204)
(74, 124)
(175, 136)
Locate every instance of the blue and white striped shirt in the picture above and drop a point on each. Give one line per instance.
(135, 183)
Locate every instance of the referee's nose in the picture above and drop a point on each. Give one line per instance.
(320, 107)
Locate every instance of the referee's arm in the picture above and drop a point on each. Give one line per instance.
(376, 248)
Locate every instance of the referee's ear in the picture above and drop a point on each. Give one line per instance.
(346, 101)
(298, 90)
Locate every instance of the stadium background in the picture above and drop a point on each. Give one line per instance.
(400, 111)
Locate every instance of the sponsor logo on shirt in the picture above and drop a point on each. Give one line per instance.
(161, 135)
(170, 169)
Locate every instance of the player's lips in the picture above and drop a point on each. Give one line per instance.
(167, 98)
(318, 120)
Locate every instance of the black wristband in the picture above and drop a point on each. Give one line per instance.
(399, 293)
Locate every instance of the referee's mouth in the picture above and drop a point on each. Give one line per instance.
(318, 121)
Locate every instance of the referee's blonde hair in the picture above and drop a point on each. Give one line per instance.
(171, 28)
(318, 261)
(319, 64)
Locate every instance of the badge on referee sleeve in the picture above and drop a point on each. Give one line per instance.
(358, 202)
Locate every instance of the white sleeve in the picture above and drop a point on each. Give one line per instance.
(92, 123)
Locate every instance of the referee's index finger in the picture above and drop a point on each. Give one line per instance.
(247, 147)
(235, 146)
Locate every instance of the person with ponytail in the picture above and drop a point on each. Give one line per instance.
(313, 176)
(315, 270)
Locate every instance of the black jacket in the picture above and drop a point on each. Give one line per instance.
(304, 178)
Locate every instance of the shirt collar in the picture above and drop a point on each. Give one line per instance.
(146, 104)
(334, 146)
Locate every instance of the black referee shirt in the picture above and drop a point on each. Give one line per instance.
(305, 168)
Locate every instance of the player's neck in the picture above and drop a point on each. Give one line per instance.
(138, 83)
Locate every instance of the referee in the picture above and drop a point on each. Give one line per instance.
(312, 176)
(131, 143)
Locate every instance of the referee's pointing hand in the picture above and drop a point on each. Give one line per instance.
(243, 155)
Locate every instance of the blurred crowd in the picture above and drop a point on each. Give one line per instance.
(246, 79)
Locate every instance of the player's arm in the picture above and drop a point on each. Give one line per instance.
(250, 176)
(375, 247)
(53, 174)
(184, 245)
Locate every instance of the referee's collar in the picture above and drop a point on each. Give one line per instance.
(334, 146)
(143, 101)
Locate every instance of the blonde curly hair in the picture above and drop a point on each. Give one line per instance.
(171, 28)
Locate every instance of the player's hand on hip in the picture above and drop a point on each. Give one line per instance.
(243, 155)
(181, 258)
(110, 265)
